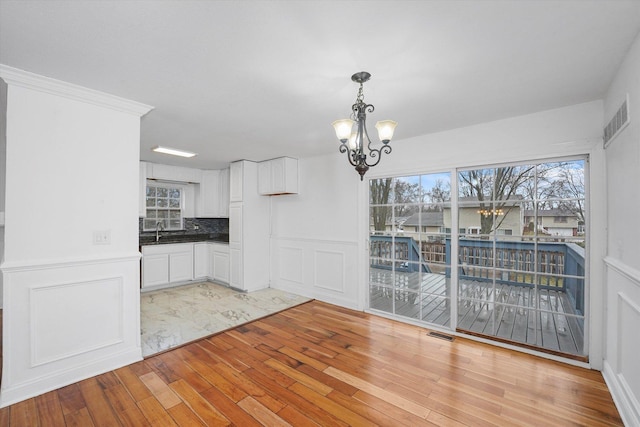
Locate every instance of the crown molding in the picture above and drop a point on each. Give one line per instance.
(25, 79)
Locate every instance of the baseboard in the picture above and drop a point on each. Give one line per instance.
(623, 397)
(26, 390)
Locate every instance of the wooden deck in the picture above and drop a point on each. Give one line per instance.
(542, 318)
(319, 364)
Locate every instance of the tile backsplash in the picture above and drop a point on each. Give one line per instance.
(199, 225)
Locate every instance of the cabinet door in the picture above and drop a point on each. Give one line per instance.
(235, 268)
(223, 193)
(209, 194)
(181, 266)
(235, 225)
(265, 180)
(221, 267)
(278, 175)
(235, 185)
(155, 270)
(201, 260)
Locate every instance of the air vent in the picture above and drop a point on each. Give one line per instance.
(619, 121)
(440, 335)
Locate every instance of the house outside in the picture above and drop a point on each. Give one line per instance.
(554, 222)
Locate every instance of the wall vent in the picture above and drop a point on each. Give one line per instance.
(619, 121)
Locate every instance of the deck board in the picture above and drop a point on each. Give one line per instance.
(516, 313)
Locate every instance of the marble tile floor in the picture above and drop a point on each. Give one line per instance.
(175, 316)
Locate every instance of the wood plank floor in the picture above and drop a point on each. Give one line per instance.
(318, 364)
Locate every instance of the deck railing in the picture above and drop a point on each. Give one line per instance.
(554, 265)
(401, 250)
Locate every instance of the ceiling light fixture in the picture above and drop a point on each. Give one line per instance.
(173, 151)
(353, 143)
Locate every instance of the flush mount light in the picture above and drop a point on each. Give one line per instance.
(173, 151)
(355, 142)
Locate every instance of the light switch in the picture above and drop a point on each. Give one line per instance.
(102, 237)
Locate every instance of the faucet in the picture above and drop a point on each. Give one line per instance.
(159, 228)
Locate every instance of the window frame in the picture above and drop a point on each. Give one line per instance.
(166, 222)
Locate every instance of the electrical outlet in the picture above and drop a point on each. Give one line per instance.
(102, 237)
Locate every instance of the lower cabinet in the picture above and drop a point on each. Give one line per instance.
(202, 260)
(164, 265)
(155, 269)
(181, 264)
(220, 263)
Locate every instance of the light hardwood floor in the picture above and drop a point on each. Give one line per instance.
(318, 364)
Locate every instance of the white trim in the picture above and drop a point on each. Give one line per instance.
(25, 79)
(73, 374)
(623, 397)
(46, 264)
(314, 240)
(629, 272)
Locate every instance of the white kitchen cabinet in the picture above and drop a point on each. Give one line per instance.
(173, 173)
(163, 264)
(235, 268)
(202, 260)
(214, 194)
(155, 269)
(248, 230)
(224, 193)
(220, 262)
(278, 176)
(236, 181)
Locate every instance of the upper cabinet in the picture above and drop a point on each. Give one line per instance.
(173, 173)
(206, 192)
(214, 194)
(236, 181)
(278, 176)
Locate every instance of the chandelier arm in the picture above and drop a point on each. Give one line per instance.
(351, 154)
(376, 153)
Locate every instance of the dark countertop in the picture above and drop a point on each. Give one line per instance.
(167, 238)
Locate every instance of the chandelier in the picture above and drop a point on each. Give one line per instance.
(353, 141)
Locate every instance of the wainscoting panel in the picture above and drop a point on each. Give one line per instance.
(102, 308)
(68, 321)
(329, 270)
(290, 265)
(621, 368)
(322, 269)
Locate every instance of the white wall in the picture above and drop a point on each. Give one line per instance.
(622, 276)
(3, 163)
(314, 243)
(71, 307)
(319, 240)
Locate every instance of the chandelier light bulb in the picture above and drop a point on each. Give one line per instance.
(343, 129)
(385, 130)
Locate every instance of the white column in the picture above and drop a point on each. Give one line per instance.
(71, 259)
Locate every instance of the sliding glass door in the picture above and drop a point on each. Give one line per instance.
(512, 237)
(522, 254)
(410, 227)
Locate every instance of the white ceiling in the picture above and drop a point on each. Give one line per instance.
(261, 79)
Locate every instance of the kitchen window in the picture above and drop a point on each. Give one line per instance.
(164, 204)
